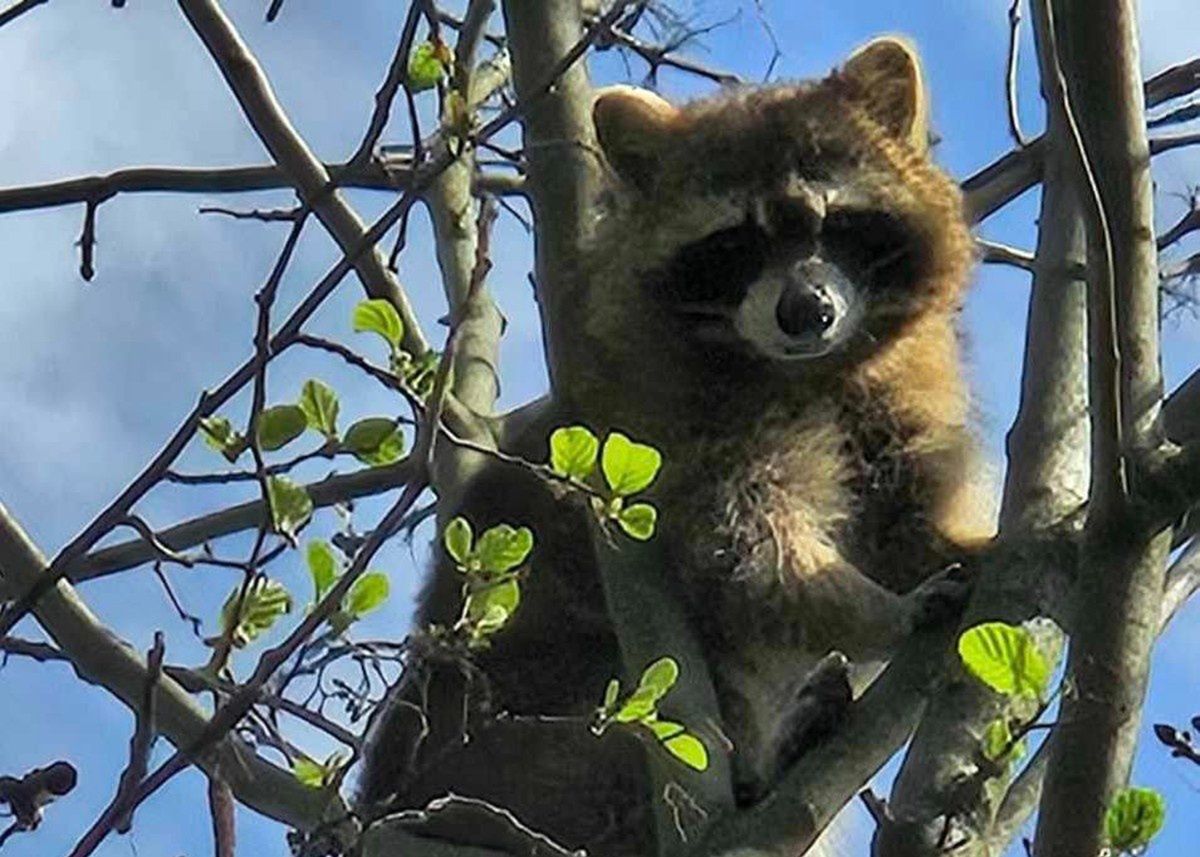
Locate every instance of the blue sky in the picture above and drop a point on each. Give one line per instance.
(96, 375)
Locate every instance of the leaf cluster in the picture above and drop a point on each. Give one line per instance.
(490, 566)
(627, 468)
(640, 708)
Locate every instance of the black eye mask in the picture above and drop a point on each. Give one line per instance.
(718, 268)
(874, 245)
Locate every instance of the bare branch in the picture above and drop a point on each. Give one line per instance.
(17, 9)
(387, 90)
(143, 736)
(1005, 179)
(1014, 43)
(253, 91)
(1002, 254)
(1045, 484)
(1121, 579)
(244, 516)
(1187, 224)
(391, 175)
(1166, 144)
(100, 657)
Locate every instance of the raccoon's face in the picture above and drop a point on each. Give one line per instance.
(792, 223)
(805, 274)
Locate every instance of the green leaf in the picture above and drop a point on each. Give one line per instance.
(660, 676)
(389, 451)
(367, 436)
(264, 602)
(506, 595)
(309, 772)
(642, 703)
(316, 774)
(638, 520)
(573, 452)
(280, 425)
(458, 539)
(492, 620)
(664, 729)
(628, 467)
(502, 548)
(688, 749)
(322, 565)
(367, 593)
(291, 507)
(610, 695)
(489, 608)
(320, 405)
(219, 434)
(1005, 658)
(377, 315)
(998, 743)
(425, 67)
(1134, 817)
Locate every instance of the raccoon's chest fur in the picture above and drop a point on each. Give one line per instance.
(754, 509)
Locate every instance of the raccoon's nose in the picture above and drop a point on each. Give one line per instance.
(804, 310)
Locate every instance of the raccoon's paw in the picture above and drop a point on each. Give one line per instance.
(815, 711)
(941, 598)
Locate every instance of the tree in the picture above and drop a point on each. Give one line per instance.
(1092, 424)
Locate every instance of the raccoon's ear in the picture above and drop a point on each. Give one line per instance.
(635, 127)
(887, 73)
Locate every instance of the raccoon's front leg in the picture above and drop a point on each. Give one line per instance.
(782, 692)
(841, 609)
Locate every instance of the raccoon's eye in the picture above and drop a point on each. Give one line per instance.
(719, 267)
(876, 244)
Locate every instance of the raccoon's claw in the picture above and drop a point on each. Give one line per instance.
(818, 707)
(941, 597)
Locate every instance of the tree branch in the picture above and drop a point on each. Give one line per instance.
(253, 91)
(1002, 181)
(1122, 576)
(101, 658)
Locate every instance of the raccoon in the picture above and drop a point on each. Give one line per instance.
(771, 297)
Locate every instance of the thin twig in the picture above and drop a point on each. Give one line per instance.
(1187, 224)
(18, 9)
(143, 733)
(1010, 81)
(1158, 145)
(386, 94)
(272, 215)
(994, 252)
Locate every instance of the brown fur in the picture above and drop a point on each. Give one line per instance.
(800, 501)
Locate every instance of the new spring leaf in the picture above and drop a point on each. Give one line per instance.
(367, 593)
(458, 540)
(220, 435)
(377, 315)
(1133, 818)
(375, 441)
(425, 67)
(1005, 658)
(291, 507)
(264, 602)
(628, 467)
(573, 452)
(280, 425)
(322, 566)
(502, 548)
(320, 405)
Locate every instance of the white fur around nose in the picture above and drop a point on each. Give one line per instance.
(755, 319)
(756, 322)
